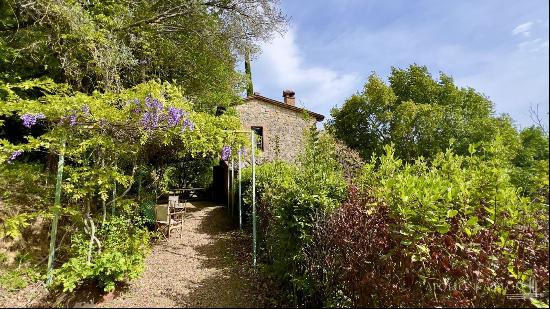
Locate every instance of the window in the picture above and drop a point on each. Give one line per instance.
(259, 137)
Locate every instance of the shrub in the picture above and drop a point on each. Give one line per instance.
(124, 245)
(289, 198)
(530, 164)
(18, 278)
(455, 232)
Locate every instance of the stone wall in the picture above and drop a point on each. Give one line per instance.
(283, 129)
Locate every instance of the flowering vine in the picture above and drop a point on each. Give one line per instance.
(30, 119)
(226, 152)
(14, 155)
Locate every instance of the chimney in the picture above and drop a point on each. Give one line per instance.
(288, 95)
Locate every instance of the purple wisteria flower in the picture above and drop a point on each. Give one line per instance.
(174, 116)
(145, 121)
(72, 119)
(187, 124)
(242, 151)
(226, 152)
(154, 104)
(30, 119)
(86, 110)
(14, 155)
(152, 117)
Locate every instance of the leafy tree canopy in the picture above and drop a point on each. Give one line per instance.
(419, 114)
(111, 45)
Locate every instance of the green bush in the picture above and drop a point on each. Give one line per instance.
(18, 278)
(124, 246)
(427, 196)
(290, 198)
(455, 228)
(530, 164)
(360, 254)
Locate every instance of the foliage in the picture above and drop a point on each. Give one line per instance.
(18, 278)
(113, 45)
(419, 114)
(530, 164)
(289, 199)
(111, 120)
(124, 245)
(453, 233)
(129, 93)
(112, 140)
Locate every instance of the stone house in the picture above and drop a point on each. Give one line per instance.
(280, 125)
(281, 128)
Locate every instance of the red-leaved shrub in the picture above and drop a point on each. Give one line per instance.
(359, 258)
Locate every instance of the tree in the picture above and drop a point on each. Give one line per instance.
(420, 115)
(530, 164)
(99, 45)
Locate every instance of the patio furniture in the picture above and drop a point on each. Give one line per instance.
(173, 201)
(169, 217)
(182, 191)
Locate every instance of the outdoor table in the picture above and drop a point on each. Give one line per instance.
(179, 191)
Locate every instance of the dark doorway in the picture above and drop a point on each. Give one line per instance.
(219, 182)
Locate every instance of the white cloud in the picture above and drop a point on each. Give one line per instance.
(282, 66)
(524, 29)
(534, 46)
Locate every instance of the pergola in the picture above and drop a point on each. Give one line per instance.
(231, 182)
(57, 202)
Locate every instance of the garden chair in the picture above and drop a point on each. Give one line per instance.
(176, 203)
(169, 218)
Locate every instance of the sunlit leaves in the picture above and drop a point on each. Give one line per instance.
(420, 114)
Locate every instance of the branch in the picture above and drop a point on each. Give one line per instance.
(174, 12)
(535, 117)
(127, 189)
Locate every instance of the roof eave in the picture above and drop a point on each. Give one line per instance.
(317, 117)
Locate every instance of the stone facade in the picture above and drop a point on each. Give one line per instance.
(283, 126)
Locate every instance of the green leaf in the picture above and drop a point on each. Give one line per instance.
(472, 221)
(443, 229)
(451, 213)
(538, 303)
(423, 249)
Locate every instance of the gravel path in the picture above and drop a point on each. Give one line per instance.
(208, 267)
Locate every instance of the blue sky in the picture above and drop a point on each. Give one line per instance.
(500, 48)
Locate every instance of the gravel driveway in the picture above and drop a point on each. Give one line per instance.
(208, 267)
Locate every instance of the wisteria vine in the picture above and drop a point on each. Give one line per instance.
(155, 112)
(30, 119)
(226, 153)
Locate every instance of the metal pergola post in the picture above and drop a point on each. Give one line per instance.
(232, 186)
(240, 194)
(57, 205)
(253, 137)
(253, 147)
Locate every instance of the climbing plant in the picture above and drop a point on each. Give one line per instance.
(107, 139)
